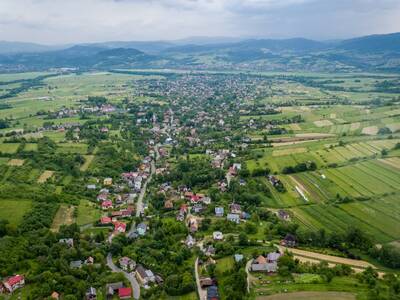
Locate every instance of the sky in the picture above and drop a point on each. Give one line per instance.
(76, 21)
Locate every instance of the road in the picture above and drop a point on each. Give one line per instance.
(248, 266)
(131, 278)
(139, 204)
(202, 292)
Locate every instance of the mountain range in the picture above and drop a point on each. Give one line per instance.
(367, 53)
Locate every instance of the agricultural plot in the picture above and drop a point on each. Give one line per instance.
(87, 213)
(88, 161)
(46, 175)
(15, 162)
(370, 130)
(64, 216)
(14, 210)
(374, 221)
(323, 123)
(72, 148)
(9, 148)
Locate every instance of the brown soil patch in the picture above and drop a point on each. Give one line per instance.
(45, 176)
(310, 296)
(15, 162)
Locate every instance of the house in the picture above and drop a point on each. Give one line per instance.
(105, 220)
(219, 211)
(235, 208)
(127, 264)
(244, 215)
(69, 242)
(55, 295)
(283, 215)
(107, 181)
(119, 227)
(218, 236)
(75, 264)
(102, 197)
(289, 240)
(14, 282)
(198, 208)
(267, 264)
(89, 261)
(144, 276)
(106, 204)
(273, 256)
(141, 229)
(111, 288)
(209, 251)
(124, 293)
(193, 225)
(206, 200)
(238, 257)
(168, 204)
(233, 218)
(212, 293)
(91, 186)
(91, 294)
(206, 282)
(190, 241)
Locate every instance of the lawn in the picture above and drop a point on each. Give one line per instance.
(14, 210)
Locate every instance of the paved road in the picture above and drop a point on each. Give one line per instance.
(139, 204)
(202, 292)
(135, 285)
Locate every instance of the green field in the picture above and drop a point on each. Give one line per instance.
(14, 210)
(87, 213)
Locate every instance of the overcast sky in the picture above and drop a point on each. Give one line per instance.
(70, 21)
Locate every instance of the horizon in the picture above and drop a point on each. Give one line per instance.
(191, 39)
(54, 22)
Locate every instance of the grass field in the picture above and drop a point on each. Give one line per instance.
(87, 213)
(14, 210)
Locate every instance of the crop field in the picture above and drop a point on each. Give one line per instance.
(46, 175)
(376, 217)
(64, 216)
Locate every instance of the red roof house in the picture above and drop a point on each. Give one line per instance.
(106, 204)
(105, 220)
(14, 282)
(119, 227)
(124, 293)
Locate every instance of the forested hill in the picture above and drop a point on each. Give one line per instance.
(369, 53)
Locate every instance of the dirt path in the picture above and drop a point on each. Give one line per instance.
(329, 258)
(201, 292)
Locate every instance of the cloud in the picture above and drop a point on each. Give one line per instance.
(61, 21)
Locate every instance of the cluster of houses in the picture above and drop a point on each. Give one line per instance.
(116, 289)
(267, 263)
(136, 179)
(235, 213)
(145, 277)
